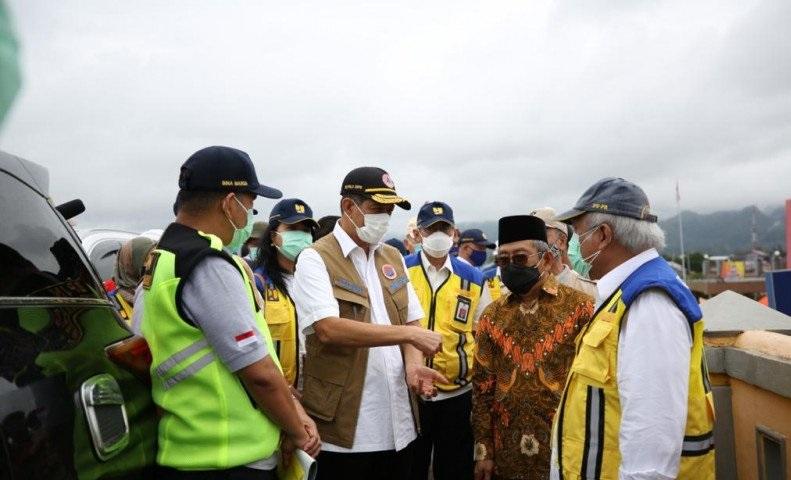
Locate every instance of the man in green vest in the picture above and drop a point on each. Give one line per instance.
(214, 375)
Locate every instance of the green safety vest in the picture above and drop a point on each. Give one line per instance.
(208, 419)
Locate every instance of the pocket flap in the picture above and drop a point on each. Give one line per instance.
(350, 297)
(597, 333)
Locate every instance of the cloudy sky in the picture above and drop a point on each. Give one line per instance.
(494, 107)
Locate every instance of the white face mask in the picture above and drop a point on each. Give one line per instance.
(375, 227)
(437, 244)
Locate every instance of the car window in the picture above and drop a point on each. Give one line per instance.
(38, 256)
(103, 256)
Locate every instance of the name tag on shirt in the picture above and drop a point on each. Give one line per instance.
(462, 309)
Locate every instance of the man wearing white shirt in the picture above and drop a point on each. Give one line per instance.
(637, 404)
(364, 341)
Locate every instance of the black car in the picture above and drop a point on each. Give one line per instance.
(72, 403)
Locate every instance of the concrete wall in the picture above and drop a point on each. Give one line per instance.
(751, 380)
(753, 407)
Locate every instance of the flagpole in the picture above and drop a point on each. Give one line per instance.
(681, 235)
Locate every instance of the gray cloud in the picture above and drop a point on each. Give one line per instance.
(496, 108)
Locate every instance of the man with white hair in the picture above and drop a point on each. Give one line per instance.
(558, 240)
(637, 403)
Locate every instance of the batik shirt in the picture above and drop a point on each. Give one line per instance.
(523, 359)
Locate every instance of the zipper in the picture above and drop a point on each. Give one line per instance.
(432, 306)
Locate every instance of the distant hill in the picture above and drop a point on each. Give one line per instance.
(716, 233)
(727, 231)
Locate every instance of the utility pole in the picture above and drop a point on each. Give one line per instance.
(681, 235)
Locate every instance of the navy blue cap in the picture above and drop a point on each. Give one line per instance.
(615, 196)
(433, 212)
(291, 211)
(220, 169)
(476, 236)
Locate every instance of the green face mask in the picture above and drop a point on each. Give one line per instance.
(577, 262)
(294, 241)
(240, 235)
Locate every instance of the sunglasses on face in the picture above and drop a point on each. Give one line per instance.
(518, 259)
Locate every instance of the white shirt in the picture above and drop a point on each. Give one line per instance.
(385, 419)
(654, 349)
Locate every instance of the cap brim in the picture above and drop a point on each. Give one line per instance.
(490, 245)
(390, 200)
(296, 219)
(568, 216)
(267, 192)
(433, 221)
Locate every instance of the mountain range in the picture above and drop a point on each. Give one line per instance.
(717, 233)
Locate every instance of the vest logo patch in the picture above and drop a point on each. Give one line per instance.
(389, 271)
(398, 283)
(462, 309)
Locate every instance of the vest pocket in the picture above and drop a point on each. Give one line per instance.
(460, 308)
(322, 396)
(592, 360)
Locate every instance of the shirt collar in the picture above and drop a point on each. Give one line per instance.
(615, 277)
(427, 265)
(346, 242)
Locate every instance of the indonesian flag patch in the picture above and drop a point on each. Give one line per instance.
(247, 338)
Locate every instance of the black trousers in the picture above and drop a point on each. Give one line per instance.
(388, 465)
(445, 430)
(238, 473)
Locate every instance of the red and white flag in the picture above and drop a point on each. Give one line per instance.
(247, 338)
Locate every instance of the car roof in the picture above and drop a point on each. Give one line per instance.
(33, 174)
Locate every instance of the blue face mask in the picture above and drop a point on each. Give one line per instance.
(240, 234)
(478, 257)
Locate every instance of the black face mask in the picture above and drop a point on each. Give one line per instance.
(519, 280)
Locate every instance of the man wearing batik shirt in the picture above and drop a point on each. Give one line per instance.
(525, 346)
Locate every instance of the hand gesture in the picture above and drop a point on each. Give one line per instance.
(421, 380)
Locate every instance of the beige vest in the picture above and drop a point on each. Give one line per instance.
(335, 375)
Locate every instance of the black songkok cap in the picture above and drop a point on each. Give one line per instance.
(521, 227)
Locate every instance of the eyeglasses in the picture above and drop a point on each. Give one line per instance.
(518, 259)
(587, 233)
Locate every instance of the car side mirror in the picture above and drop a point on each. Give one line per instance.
(71, 209)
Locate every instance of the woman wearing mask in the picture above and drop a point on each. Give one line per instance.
(290, 231)
(525, 348)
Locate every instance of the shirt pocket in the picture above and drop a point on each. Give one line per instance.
(593, 358)
(459, 306)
